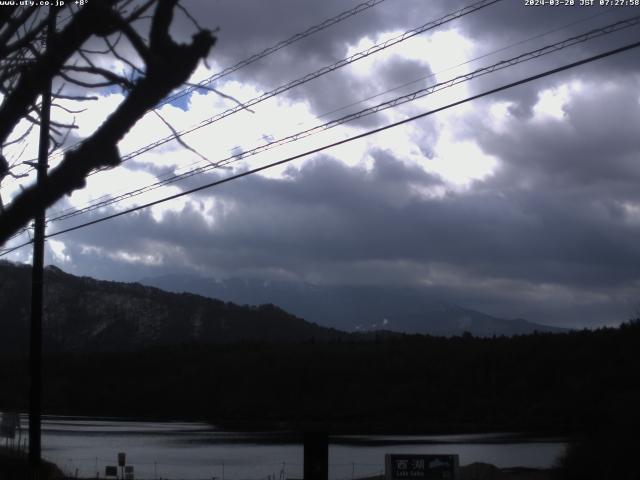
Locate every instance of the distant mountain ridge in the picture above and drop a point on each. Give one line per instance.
(84, 314)
(356, 308)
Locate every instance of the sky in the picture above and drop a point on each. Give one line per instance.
(524, 203)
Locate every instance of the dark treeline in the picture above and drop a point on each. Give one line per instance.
(559, 383)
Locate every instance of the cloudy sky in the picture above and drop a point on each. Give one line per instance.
(525, 203)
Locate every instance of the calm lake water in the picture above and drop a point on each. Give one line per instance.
(199, 451)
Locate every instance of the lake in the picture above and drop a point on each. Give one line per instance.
(179, 450)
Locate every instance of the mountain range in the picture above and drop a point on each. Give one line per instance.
(356, 308)
(84, 314)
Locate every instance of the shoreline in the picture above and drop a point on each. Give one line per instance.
(13, 465)
(337, 427)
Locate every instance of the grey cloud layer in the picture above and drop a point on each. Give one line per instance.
(557, 213)
(256, 24)
(327, 216)
(552, 214)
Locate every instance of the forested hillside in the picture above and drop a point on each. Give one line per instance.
(82, 314)
(550, 382)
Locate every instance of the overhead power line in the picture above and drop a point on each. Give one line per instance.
(274, 48)
(311, 76)
(258, 56)
(318, 73)
(69, 213)
(108, 196)
(341, 142)
(362, 113)
(467, 62)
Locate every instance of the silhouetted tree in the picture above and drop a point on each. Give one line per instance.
(87, 34)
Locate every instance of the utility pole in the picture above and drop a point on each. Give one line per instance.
(316, 455)
(35, 338)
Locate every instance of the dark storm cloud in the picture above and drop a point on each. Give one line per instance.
(255, 24)
(595, 143)
(510, 23)
(327, 216)
(328, 212)
(552, 211)
(558, 211)
(342, 93)
(401, 71)
(259, 24)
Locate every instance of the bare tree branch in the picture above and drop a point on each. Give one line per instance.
(112, 78)
(136, 41)
(90, 19)
(12, 27)
(20, 138)
(189, 16)
(82, 83)
(136, 14)
(167, 66)
(112, 49)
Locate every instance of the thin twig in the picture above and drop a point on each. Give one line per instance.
(223, 95)
(78, 98)
(68, 110)
(176, 135)
(189, 16)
